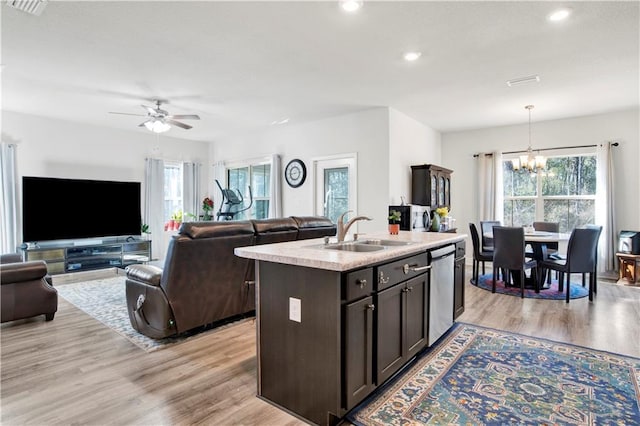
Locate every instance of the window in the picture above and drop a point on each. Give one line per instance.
(565, 192)
(259, 175)
(335, 185)
(172, 189)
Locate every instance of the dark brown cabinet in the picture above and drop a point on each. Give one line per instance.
(431, 185)
(358, 351)
(458, 280)
(402, 325)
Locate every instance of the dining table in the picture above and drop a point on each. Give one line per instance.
(538, 241)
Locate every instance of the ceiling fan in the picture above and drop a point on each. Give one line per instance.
(159, 120)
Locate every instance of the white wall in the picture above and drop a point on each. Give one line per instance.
(622, 126)
(365, 133)
(55, 148)
(410, 143)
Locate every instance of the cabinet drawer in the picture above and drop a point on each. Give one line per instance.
(358, 284)
(54, 254)
(460, 249)
(394, 272)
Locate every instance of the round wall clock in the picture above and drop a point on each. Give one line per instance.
(295, 173)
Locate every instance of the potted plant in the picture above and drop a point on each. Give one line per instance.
(144, 229)
(394, 218)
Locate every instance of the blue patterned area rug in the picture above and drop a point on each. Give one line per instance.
(577, 291)
(482, 376)
(105, 300)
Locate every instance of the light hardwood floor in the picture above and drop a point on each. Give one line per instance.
(74, 370)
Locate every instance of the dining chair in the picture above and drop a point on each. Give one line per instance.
(486, 227)
(548, 227)
(581, 258)
(479, 256)
(509, 255)
(552, 247)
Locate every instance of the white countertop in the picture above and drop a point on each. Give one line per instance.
(309, 253)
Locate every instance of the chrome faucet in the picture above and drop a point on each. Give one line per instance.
(343, 229)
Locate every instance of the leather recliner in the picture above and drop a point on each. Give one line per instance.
(26, 290)
(203, 281)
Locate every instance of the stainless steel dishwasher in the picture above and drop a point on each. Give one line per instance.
(441, 291)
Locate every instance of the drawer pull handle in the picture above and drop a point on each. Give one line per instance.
(407, 289)
(372, 307)
(382, 280)
(361, 283)
(406, 268)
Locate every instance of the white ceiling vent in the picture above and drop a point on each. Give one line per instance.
(33, 7)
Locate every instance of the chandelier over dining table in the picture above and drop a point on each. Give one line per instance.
(529, 162)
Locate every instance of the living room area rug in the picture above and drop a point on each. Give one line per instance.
(105, 300)
(577, 291)
(477, 375)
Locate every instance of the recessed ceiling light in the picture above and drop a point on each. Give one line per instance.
(560, 14)
(351, 5)
(412, 56)
(523, 80)
(277, 122)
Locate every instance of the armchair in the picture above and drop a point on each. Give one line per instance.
(25, 290)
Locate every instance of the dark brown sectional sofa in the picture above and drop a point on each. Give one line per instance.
(203, 282)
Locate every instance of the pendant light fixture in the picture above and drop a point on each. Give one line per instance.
(529, 162)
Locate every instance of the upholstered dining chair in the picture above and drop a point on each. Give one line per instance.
(509, 255)
(581, 258)
(552, 247)
(486, 227)
(479, 256)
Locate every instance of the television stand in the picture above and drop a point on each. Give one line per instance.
(71, 256)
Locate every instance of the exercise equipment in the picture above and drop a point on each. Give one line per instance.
(232, 203)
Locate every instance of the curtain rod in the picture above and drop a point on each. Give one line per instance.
(556, 148)
(547, 149)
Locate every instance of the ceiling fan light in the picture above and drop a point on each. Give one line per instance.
(157, 126)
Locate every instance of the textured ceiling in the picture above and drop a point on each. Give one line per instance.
(242, 65)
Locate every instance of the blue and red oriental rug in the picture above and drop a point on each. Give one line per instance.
(481, 376)
(577, 291)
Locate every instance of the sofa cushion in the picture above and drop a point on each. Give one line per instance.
(197, 230)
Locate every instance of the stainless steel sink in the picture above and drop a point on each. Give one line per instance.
(354, 247)
(384, 242)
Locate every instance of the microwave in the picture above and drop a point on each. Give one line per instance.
(629, 242)
(413, 217)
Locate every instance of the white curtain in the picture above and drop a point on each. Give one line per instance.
(489, 186)
(8, 198)
(154, 205)
(191, 190)
(219, 174)
(605, 208)
(275, 204)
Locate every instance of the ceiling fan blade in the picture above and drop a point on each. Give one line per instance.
(184, 117)
(127, 113)
(177, 123)
(144, 122)
(150, 109)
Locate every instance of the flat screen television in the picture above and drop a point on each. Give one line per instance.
(66, 209)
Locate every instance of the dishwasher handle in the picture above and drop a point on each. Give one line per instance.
(406, 268)
(435, 255)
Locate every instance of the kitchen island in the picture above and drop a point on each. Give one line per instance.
(336, 320)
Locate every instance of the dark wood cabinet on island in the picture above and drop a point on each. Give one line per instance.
(431, 186)
(328, 338)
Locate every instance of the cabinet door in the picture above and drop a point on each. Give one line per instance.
(358, 352)
(389, 331)
(458, 288)
(417, 314)
(433, 197)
